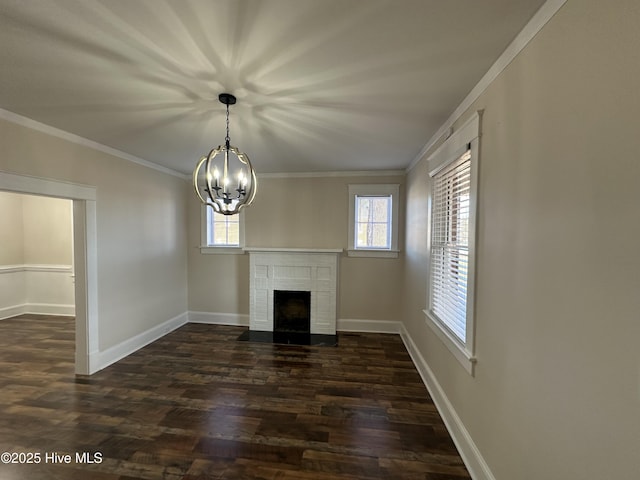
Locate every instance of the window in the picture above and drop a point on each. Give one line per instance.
(449, 255)
(452, 171)
(223, 230)
(373, 220)
(221, 233)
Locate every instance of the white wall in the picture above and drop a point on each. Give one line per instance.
(556, 394)
(36, 264)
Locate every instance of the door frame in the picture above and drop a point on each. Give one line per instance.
(85, 257)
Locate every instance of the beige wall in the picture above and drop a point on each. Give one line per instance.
(47, 230)
(11, 229)
(141, 228)
(307, 212)
(557, 388)
(36, 244)
(35, 230)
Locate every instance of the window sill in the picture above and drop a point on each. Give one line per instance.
(373, 253)
(208, 250)
(465, 357)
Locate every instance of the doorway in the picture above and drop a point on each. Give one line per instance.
(84, 258)
(36, 259)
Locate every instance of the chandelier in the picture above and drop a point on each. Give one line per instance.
(224, 179)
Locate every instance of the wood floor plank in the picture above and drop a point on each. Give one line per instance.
(198, 404)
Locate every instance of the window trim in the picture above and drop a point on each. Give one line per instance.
(373, 190)
(468, 135)
(219, 249)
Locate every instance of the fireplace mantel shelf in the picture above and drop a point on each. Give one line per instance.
(293, 250)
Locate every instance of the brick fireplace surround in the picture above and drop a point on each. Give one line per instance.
(296, 269)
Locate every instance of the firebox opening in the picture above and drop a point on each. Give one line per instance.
(291, 311)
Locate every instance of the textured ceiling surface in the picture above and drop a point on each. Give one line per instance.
(322, 85)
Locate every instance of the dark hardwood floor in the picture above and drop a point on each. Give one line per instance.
(197, 404)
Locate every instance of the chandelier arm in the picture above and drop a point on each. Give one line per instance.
(226, 169)
(214, 206)
(195, 179)
(208, 175)
(244, 158)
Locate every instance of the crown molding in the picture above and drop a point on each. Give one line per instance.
(349, 173)
(530, 30)
(85, 142)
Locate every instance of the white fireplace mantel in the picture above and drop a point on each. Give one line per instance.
(303, 269)
(292, 250)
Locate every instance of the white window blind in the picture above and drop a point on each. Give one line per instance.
(450, 245)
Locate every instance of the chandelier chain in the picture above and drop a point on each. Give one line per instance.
(227, 139)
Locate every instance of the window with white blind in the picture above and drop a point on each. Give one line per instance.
(453, 185)
(449, 261)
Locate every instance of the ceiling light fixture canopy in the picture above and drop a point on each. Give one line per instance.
(224, 179)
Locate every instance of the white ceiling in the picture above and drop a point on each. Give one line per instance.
(322, 85)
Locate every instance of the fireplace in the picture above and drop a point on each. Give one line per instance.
(307, 280)
(291, 311)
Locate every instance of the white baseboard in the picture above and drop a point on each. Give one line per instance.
(38, 289)
(473, 460)
(344, 325)
(50, 309)
(37, 309)
(111, 355)
(12, 311)
(368, 326)
(216, 318)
